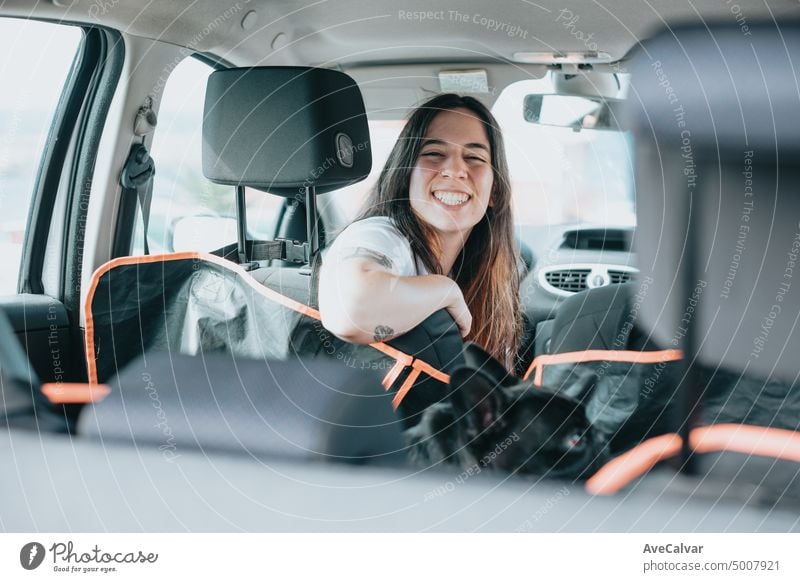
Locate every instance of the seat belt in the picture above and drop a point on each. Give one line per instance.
(136, 181)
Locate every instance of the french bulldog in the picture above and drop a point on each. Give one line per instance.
(493, 420)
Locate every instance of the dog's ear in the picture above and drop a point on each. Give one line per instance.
(477, 358)
(478, 401)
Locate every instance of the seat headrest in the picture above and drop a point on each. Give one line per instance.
(282, 129)
(724, 90)
(714, 112)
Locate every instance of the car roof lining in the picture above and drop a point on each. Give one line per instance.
(381, 45)
(357, 34)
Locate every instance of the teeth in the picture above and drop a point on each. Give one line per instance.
(451, 198)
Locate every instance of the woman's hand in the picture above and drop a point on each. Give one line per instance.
(459, 311)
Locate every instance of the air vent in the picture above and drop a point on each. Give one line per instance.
(617, 276)
(569, 280)
(564, 280)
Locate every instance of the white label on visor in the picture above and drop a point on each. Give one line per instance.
(466, 81)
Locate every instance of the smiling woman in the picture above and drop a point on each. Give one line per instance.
(435, 233)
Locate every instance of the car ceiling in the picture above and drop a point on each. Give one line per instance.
(394, 55)
(352, 32)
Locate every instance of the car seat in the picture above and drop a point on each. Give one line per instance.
(257, 133)
(713, 113)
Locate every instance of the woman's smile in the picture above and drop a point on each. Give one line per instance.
(452, 198)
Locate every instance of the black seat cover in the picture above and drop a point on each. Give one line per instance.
(436, 341)
(198, 304)
(214, 402)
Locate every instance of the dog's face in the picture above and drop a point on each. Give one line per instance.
(512, 426)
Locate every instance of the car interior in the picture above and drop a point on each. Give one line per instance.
(171, 174)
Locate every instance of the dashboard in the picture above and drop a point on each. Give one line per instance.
(567, 259)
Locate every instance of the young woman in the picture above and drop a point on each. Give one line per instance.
(435, 233)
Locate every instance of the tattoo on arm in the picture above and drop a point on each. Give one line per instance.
(383, 332)
(363, 253)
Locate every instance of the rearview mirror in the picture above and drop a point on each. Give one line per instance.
(571, 111)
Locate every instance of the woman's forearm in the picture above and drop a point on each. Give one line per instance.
(363, 305)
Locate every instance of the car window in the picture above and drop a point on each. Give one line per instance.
(559, 175)
(35, 62)
(188, 212)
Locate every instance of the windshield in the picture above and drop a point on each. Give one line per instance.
(558, 176)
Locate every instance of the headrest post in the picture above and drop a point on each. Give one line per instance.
(312, 221)
(241, 225)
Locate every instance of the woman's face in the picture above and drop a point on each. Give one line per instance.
(451, 182)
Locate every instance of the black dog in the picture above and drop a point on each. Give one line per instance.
(492, 420)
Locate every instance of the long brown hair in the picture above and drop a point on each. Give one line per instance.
(487, 268)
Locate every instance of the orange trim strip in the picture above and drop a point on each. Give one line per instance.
(620, 471)
(740, 438)
(538, 378)
(633, 357)
(390, 378)
(401, 358)
(748, 439)
(406, 386)
(393, 353)
(431, 371)
(74, 392)
(418, 366)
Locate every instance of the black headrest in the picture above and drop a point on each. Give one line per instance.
(714, 113)
(281, 129)
(724, 90)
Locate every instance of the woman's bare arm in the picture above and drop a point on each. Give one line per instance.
(361, 301)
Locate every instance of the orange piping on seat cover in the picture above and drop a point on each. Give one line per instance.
(391, 377)
(405, 387)
(417, 366)
(74, 392)
(740, 438)
(95, 280)
(620, 471)
(633, 357)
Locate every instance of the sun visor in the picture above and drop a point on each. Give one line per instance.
(282, 129)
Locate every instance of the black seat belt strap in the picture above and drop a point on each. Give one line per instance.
(136, 180)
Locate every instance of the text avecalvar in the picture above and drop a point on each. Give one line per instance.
(672, 549)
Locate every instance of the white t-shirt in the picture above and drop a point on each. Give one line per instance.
(377, 234)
